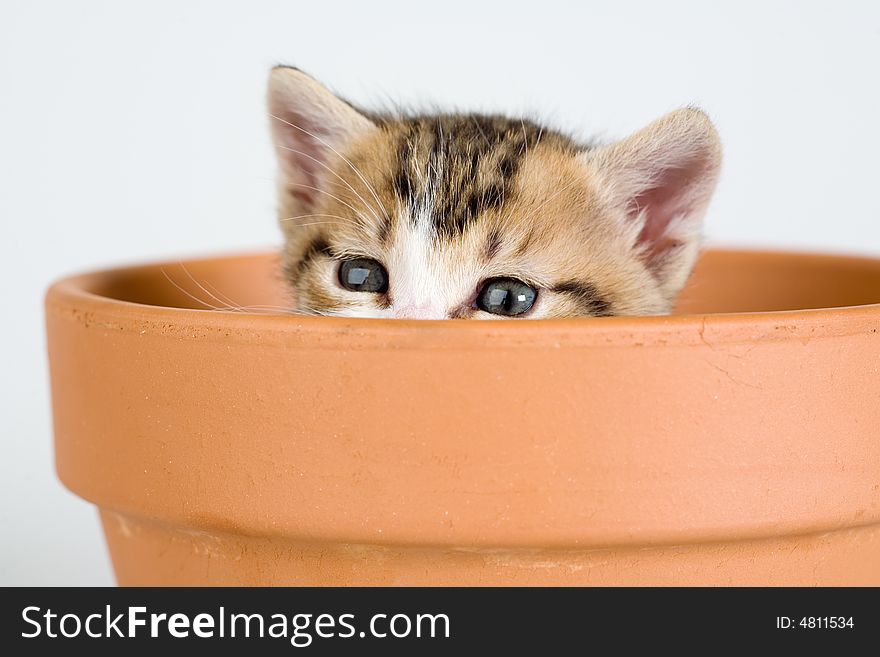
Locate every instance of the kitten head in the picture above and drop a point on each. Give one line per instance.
(483, 217)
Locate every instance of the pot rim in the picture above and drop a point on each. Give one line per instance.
(77, 293)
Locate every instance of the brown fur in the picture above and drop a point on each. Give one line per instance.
(446, 202)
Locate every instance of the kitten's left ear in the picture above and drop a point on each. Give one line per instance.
(310, 127)
(662, 177)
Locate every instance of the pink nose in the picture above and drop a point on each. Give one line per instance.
(420, 311)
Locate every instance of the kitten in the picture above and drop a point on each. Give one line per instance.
(483, 217)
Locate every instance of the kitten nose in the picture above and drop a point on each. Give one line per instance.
(424, 310)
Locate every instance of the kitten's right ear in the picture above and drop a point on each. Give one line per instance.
(310, 127)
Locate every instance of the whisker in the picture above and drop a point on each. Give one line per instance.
(258, 309)
(343, 158)
(304, 216)
(267, 309)
(202, 302)
(229, 302)
(357, 212)
(308, 311)
(330, 169)
(314, 223)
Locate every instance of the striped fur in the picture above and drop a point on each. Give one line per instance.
(448, 201)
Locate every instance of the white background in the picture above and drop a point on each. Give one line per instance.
(133, 131)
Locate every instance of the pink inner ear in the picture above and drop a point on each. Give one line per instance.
(302, 154)
(305, 190)
(672, 194)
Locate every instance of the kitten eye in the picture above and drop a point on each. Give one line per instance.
(506, 296)
(363, 275)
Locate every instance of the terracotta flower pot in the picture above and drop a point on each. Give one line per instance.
(726, 445)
